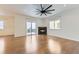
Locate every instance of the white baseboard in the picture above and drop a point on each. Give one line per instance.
(69, 38)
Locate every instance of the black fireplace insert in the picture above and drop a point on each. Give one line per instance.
(42, 30)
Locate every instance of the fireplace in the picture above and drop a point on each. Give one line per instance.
(42, 30)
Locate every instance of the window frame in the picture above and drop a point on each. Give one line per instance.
(54, 25)
(2, 25)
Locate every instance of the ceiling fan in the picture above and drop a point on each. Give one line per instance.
(45, 11)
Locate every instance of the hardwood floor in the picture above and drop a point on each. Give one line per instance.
(38, 44)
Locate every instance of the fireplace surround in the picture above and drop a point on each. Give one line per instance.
(42, 30)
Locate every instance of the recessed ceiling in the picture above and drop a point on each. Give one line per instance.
(30, 9)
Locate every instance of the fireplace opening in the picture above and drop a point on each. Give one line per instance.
(42, 30)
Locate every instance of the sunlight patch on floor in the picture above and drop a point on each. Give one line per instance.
(54, 47)
(31, 44)
(1, 45)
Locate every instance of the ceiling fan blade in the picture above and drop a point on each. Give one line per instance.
(49, 13)
(41, 7)
(38, 9)
(37, 13)
(45, 14)
(48, 7)
(51, 10)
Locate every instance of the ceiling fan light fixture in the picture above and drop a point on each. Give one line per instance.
(45, 11)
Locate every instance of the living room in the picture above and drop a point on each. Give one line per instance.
(39, 29)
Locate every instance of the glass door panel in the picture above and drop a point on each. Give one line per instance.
(28, 28)
(31, 28)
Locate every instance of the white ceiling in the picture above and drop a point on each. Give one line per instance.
(30, 9)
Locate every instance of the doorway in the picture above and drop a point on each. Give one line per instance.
(31, 28)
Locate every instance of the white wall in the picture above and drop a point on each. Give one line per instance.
(8, 25)
(70, 25)
(19, 25)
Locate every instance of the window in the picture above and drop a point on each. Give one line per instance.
(54, 24)
(1, 25)
(51, 24)
(57, 24)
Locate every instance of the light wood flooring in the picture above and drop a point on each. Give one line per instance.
(37, 44)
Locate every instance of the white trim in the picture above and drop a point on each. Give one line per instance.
(65, 37)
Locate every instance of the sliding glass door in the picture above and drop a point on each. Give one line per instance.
(31, 28)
